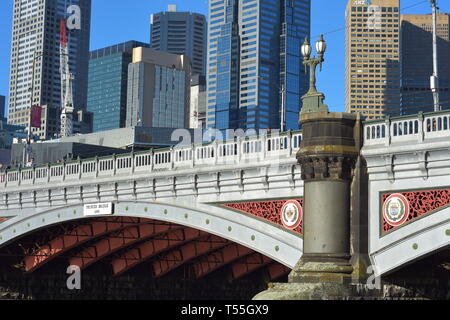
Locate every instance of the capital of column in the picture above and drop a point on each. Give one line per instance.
(327, 167)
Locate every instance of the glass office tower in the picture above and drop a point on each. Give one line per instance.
(417, 62)
(158, 92)
(254, 61)
(182, 33)
(108, 83)
(2, 107)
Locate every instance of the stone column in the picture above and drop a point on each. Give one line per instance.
(327, 157)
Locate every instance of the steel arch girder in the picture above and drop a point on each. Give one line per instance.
(118, 241)
(219, 258)
(151, 248)
(276, 270)
(76, 237)
(248, 264)
(188, 252)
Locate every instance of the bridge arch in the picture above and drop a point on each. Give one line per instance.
(411, 243)
(262, 237)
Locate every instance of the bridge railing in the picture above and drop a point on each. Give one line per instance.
(233, 152)
(416, 128)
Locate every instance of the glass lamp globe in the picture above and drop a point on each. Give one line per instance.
(321, 45)
(306, 49)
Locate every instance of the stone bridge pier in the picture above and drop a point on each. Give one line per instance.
(328, 157)
(376, 210)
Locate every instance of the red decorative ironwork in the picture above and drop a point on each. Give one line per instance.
(420, 203)
(268, 210)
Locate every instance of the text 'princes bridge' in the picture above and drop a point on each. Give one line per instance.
(374, 193)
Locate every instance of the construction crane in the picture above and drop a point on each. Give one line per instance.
(435, 76)
(67, 79)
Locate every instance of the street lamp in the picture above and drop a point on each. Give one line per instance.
(283, 103)
(313, 100)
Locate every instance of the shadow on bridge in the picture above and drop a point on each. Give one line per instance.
(427, 278)
(133, 258)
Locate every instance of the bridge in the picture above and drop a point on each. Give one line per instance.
(235, 205)
(218, 204)
(408, 164)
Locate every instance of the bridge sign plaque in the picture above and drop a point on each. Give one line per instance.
(99, 209)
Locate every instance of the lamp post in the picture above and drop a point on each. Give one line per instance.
(283, 104)
(313, 100)
(327, 156)
(283, 108)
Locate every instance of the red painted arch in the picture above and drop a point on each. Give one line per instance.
(248, 264)
(76, 237)
(149, 249)
(188, 252)
(276, 271)
(118, 241)
(219, 258)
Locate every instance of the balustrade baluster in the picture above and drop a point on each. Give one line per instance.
(133, 162)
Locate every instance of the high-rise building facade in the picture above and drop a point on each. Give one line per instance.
(158, 92)
(181, 33)
(2, 107)
(36, 41)
(373, 57)
(108, 83)
(197, 113)
(255, 67)
(417, 62)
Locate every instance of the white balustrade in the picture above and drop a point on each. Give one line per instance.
(162, 160)
(124, 164)
(409, 128)
(27, 176)
(105, 167)
(183, 157)
(41, 175)
(88, 169)
(142, 162)
(57, 173)
(233, 152)
(437, 126)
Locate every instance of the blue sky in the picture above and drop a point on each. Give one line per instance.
(115, 21)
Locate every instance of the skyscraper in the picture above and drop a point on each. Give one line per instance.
(2, 107)
(417, 62)
(182, 33)
(35, 41)
(158, 92)
(197, 113)
(373, 57)
(254, 63)
(108, 83)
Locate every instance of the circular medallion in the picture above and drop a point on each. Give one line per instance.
(396, 210)
(292, 214)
